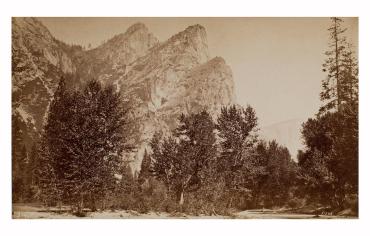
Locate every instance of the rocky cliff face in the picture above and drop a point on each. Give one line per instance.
(109, 62)
(161, 80)
(38, 61)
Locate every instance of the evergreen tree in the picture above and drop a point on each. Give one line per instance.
(339, 66)
(350, 76)
(145, 171)
(329, 165)
(53, 148)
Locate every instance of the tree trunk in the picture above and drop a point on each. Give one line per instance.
(230, 202)
(80, 205)
(181, 201)
(337, 77)
(93, 204)
(60, 204)
(255, 200)
(103, 205)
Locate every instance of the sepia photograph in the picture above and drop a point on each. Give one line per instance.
(185, 117)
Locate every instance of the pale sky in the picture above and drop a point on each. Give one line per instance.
(276, 62)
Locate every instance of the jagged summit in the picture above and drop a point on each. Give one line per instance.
(193, 33)
(186, 48)
(137, 32)
(109, 61)
(136, 27)
(195, 28)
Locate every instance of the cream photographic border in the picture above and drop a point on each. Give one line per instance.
(182, 8)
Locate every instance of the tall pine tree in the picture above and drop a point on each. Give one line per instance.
(329, 165)
(341, 68)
